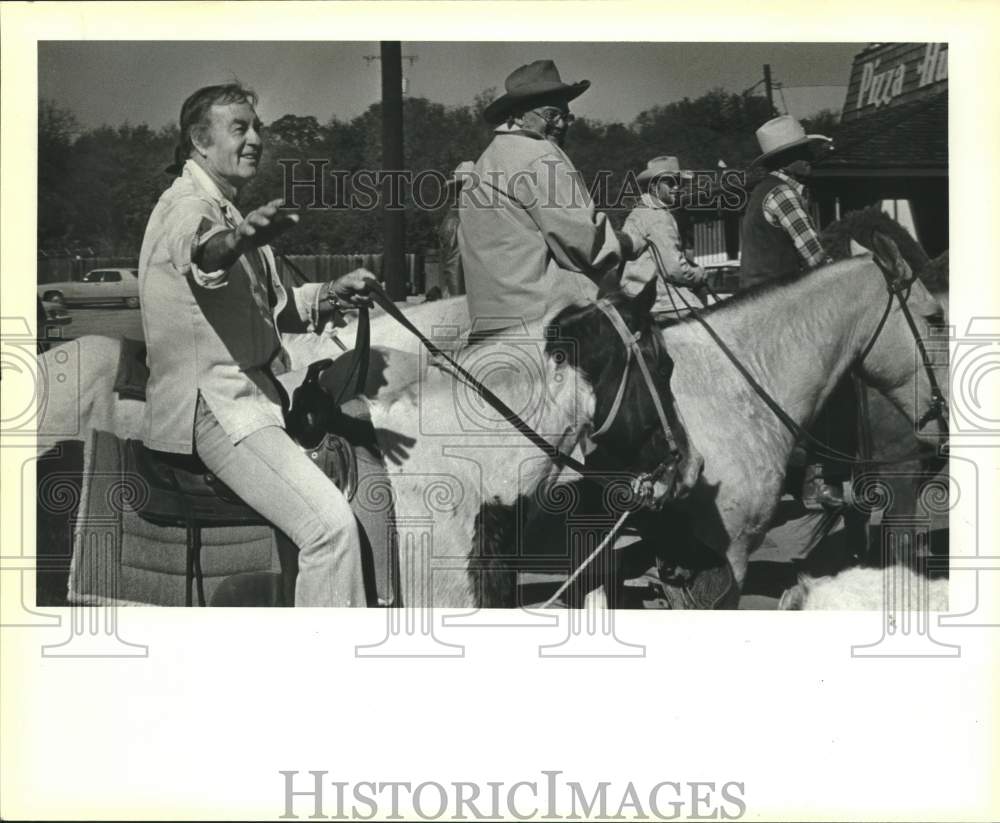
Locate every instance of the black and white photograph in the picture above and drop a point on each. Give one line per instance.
(385, 350)
(545, 253)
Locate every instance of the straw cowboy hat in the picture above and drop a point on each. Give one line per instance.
(784, 133)
(665, 165)
(530, 84)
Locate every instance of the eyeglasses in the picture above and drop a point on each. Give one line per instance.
(551, 115)
(669, 180)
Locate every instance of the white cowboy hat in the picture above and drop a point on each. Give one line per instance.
(664, 165)
(781, 134)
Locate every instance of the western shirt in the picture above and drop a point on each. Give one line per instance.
(213, 333)
(783, 206)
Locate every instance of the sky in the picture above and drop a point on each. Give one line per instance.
(145, 82)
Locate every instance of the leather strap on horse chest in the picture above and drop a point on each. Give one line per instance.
(633, 352)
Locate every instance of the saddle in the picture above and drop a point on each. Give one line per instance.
(179, 483)
(181, 491)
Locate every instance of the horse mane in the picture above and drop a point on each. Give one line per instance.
(860, 225)
(752, 294)
(935, 274)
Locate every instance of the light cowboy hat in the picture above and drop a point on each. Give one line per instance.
(784, 133)
(535, 81)
(664, 166)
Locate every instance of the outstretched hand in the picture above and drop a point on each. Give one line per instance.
(264, 224)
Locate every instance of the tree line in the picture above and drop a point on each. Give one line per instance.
(96, 187)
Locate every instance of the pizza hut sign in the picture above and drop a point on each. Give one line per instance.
(882, 85)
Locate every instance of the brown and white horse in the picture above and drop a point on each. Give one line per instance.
(457, 469)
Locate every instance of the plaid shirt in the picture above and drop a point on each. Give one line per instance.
(783, 207)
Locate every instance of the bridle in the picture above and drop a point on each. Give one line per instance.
(633, 354)
(896, 287)
(899, 288)
(643, 481)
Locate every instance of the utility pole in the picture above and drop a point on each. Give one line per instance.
(767, 87)
(393, 220)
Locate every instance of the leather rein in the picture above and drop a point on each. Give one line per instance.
(898, 288)
(633, 352)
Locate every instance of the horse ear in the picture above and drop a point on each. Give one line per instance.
(642, 303)
(887, 257)
(611, 282)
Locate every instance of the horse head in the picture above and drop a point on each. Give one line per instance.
(634, 423)
(893, 360)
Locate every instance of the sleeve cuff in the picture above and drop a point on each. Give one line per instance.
(306, 299)
(212, 279)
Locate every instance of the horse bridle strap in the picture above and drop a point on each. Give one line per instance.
(822, 449)
(899, 289)
(632, 353)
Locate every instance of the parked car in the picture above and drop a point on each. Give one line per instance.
(52, 317)
(99, 286)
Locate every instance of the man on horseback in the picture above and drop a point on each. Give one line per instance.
(777, 236)
(652, 218)
(212, 303)
(778, 239)
(528, 227)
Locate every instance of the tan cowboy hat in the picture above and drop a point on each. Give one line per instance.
(460, 176)
(781, 134)
(535, 81)
(666, 164)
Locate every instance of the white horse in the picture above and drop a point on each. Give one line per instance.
(894, 588)
(797, 338)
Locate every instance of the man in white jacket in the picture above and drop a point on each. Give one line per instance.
(652, 219)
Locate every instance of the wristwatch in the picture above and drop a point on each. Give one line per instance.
(331, 297)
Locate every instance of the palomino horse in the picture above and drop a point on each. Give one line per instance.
(463, 470)
(797, 338)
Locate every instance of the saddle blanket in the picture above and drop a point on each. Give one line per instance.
(120, 558)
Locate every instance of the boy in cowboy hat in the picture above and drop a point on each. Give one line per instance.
(528, 229)
(652, 219)
(777, 236)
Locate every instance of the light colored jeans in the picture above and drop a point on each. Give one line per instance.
(269, 471)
